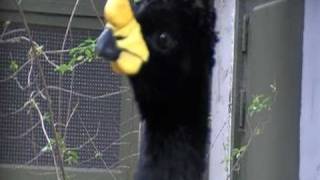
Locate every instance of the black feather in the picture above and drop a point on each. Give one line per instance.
(173, 88)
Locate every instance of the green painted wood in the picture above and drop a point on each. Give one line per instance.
(58, 7)
(11, 172)
(53, 20)
(130, 131)
(55, 12)
(273, 55)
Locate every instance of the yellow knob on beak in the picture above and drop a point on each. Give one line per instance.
(128, 37)
(118, 13)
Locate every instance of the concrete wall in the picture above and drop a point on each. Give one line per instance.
(221, 90)
(310, 110)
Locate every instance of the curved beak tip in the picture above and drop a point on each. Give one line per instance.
(106, 45)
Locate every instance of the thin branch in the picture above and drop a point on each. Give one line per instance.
(88, 141)
(116, 142)
(34, 48)
(24, 106)
(34, 44)
(70, 101)
(94, 7)
(40, 93)
(15, 73)
(42, 123)
(97, 150)
(218, 135)
(85, 95)
(25, 22)
(35, 158)
(57, 51)
(26, 132)
(129, 120)
(12, 32)
(69, 118)
(28, 79)
(6, 25)
(29, 75)
(20, 86)
(48, 60)
(124, 158)
(46, 134)
(61, 56)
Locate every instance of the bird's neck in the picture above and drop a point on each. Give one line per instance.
(175, 138)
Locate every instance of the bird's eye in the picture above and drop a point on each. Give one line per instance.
(165, 41)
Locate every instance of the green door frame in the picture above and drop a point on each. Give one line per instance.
(264, 31)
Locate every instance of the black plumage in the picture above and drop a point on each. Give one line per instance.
(173, 88)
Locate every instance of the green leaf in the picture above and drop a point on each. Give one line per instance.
(71, 157)
(46, 149)
(14, 66)
(84, 52)
(80, 58)
(98, 155)
(39, 50)
(258, 104)
(48, 146)
(258, 131)
(64, 68)
(47, 117)
(243, 148)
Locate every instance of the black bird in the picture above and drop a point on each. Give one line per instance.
(171, 84)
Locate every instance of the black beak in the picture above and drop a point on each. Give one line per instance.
(106, 45)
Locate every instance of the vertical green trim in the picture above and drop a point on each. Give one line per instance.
(130, 129)
(274, 52)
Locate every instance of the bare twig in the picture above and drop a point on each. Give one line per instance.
(46, 134)
(6, 25)
(12, 32)
(124, 158)
(116, 142)
(57, 51)
(29, 75)
(94, 7)
(35, 158)
(88, 141)
(85, 95)
(69, 102)
(129, 120)
(55, 134)
(69, 118)
(23, 107)
(97, 151)
(40, 93)
(61, 55)
(48, 60)
(35, 105)
(16, 72)
(17, 39)
(26, 132)
(218, 135)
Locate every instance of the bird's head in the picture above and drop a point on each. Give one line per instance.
(171, 35)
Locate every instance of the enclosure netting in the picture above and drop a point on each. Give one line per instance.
(94, 128)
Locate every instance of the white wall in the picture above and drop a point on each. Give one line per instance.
(310, 110)
(221, 90)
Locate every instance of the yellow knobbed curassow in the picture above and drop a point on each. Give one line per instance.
(165, 47)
